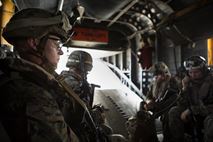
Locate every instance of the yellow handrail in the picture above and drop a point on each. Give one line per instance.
(7, 10)
(210, 51)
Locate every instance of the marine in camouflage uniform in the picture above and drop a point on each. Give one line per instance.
(79, 64)
(32, 103)
(163, 87)
(195, 107)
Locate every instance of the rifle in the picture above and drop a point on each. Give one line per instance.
(194, 120)
(87, 90)
(168, 100)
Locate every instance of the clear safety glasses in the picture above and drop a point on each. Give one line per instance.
(57, 42)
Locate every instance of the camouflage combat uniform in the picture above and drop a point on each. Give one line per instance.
(33, 105)
(198, 98)
(79, 63)
(79, 86)
(85, 130)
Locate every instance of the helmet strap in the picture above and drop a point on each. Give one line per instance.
(41, 45)
(48, 66)
(45, 63)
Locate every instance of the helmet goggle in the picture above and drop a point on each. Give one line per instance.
(193, 65)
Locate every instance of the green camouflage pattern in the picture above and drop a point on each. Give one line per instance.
(31, 110)
(73, 80)
(79, 85)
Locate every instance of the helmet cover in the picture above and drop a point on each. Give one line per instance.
(78, 58)
(34, 22)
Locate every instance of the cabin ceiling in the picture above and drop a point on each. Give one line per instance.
(171, 17)
(108, 8)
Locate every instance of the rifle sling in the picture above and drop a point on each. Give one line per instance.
(71, 92)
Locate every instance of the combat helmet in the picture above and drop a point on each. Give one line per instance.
(160, 68)
(36, 23)
(195, 62)
(81, 60)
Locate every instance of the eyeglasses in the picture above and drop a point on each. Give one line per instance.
(57, 42)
